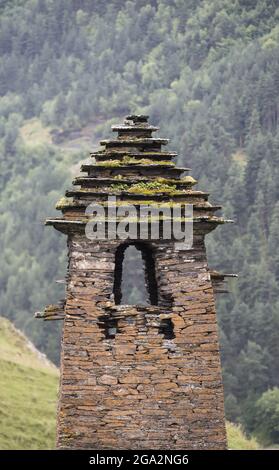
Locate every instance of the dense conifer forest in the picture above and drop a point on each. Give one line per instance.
(207, 72)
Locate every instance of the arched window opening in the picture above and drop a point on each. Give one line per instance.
(134, 276)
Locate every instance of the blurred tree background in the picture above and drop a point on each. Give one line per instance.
(207, 72)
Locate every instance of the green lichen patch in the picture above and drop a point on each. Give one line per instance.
(149, 187)
(152, 187)
(127, 160)
(118, 177)
(185, 180)
(63, 203)
(110, 163)
(188, 179)
(119, 187)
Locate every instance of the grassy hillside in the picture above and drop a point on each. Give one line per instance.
(237, 439)
(28, 393)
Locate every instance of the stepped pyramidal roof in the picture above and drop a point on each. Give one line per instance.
(135, 168)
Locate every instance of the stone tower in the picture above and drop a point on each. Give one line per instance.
(138, 376)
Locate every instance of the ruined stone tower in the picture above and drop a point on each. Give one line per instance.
(138, 376)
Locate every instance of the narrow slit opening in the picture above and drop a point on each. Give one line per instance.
(109, 325)
(166, 328)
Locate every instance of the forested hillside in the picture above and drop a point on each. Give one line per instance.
(207, 73)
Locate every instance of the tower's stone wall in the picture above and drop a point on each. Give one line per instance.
(139, 390)
(138, 377)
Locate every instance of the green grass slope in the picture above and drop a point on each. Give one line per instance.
(28, 393)
(237, 439)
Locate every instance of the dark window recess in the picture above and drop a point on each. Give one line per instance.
(166, 328)
(109, 325)
(134, 276)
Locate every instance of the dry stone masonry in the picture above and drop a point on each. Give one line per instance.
(138, 376)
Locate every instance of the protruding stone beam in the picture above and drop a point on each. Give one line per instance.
(51, 312)
(151, 170)
(201, 224)
(187, 196)
(89, 181)
(138, 142)
(219, 281)
(103, 155)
